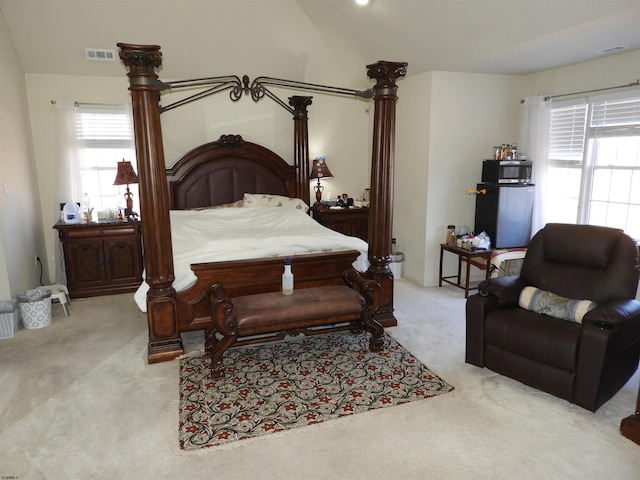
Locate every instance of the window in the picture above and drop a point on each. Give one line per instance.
(594, 163)
(104, 136)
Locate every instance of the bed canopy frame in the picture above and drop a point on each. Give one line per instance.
(163, 303)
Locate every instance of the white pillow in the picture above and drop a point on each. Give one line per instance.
(548, 303)
(269, 200)
(236, 204)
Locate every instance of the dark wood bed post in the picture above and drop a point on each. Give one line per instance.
(382, 169)
(301, 144)
(164, 336)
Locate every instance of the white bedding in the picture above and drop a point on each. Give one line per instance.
(244, 233)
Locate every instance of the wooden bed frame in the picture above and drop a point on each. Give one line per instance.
(221, 172)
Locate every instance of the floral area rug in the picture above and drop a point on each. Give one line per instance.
(293, 383)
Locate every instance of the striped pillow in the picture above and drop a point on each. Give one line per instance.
(548, 303)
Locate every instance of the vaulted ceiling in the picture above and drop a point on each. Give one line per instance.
(276, 37)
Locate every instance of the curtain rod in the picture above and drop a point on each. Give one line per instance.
(551, 97)
(83, 104)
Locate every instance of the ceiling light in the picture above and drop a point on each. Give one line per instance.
(362, 2)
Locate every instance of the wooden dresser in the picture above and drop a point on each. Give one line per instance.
(101, 258)
(350, 221)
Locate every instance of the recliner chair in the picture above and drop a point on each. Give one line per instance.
(541, 336)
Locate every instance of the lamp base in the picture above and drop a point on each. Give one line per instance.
(128, 197)
(318, 189)
(128, 211)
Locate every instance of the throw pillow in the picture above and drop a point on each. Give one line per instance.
(269, 200)
(548, 303)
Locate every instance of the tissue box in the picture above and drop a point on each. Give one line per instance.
(9, 317)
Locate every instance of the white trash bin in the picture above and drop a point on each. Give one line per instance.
(35, 308)
(395, 264)
(9, 318)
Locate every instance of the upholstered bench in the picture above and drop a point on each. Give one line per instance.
(271, 316)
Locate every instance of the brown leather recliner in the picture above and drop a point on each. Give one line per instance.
(585, 363)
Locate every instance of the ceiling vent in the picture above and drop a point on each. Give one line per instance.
(100, 54)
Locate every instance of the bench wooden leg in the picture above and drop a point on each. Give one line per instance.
(376, 343)
(215, 349)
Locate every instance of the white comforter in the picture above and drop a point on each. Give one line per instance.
(244, 233)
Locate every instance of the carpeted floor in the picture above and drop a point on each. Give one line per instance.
(294, 383)
(78, 400)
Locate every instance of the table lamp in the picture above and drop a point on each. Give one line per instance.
(125, 176)
(319, 170)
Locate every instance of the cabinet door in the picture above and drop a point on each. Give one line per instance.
(123, 260)
(85, 263)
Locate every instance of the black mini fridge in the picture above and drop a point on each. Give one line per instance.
(505, 213)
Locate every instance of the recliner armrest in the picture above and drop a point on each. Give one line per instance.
(505, 289)
(613, 314)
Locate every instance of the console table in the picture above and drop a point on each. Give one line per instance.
(478, 258)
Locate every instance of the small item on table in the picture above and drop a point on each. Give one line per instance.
(451, 235)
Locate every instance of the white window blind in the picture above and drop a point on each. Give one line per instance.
(106, 126)
(620, 115)
(594, 162)
(568, 133)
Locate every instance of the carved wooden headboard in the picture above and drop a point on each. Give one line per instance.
(222, 171)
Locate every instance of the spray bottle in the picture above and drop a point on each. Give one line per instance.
(287, 277)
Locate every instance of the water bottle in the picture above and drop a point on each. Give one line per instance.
(86, 207)
(86, 203)
(287, 278)
(71, 212)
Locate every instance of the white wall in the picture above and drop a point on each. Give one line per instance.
(444, 137)
(21, 230)
(606, 72)
(446, 124)
(338, 129)
(412, 173)
(42, 89)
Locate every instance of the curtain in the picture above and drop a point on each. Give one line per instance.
(533, 142)
(69, 187)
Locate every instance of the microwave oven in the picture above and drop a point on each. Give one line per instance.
(506, 171)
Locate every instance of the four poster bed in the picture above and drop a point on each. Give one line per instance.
(220, 174)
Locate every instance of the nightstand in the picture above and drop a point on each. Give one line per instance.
(350, 221)
(101, 258)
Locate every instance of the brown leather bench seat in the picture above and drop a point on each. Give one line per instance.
(271, 316)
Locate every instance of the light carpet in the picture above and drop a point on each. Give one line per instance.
(79, 400)
(298, 382)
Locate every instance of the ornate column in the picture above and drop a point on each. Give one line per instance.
(164, 338)
(301, 144)
(382, 170)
